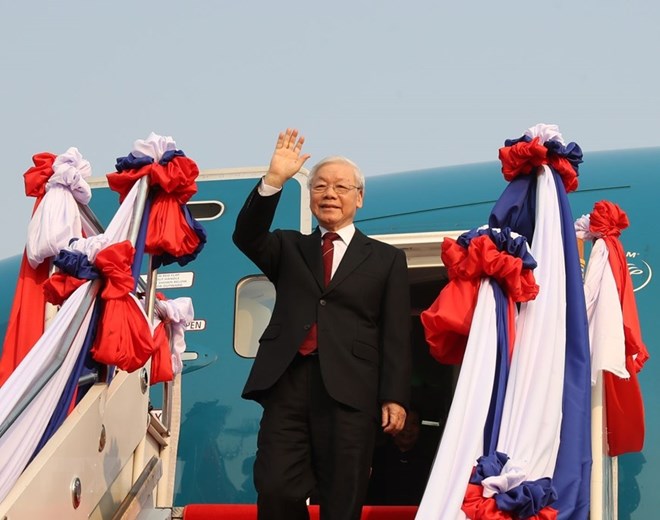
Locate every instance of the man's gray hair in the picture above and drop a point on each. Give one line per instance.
(337, 159)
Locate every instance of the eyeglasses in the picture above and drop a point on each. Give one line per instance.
(339, 189)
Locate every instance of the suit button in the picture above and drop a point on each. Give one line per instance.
(322, 303)
(307, 327)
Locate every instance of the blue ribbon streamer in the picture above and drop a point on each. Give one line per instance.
(131, 162)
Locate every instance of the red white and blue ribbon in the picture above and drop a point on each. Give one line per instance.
(606, 336)
(57, 219)
(19, 442)
(76, 264)
(617, 346)
(173, 235)
(58, 183)
(540, 465)
(489, 270)
(547, 434)
(124, 335)
(48, 409)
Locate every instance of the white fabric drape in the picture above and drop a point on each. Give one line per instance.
(179, 312)
(531, 419)
(606, 335)
(153, 146)
(545, 132)
(57, 218)
(582, 228)
(462, 439)
(116, 232)
(19, 442)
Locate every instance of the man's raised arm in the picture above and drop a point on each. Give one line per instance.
(287, 158)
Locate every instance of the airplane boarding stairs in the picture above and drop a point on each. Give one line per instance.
(112, 457)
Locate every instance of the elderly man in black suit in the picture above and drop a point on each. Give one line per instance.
(334, 362)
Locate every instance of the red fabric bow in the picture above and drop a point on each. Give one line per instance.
(168, 231)
(448, 320)
(60, 286)
(524, 157)
(176, 177)
(123, 337)
(26, 319)
(161, 361)
(624, 404)
(121, 319)
(477, 507)
(607, 219)
(37, 176)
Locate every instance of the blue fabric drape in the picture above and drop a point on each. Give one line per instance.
(494, 418)
(516, 207)
(573, 472)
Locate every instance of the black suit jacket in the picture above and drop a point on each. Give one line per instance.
(363, 315)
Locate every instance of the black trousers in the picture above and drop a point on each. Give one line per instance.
(310, 442)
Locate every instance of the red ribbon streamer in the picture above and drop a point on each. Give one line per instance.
(123, 337)
(26, 319)
(623, 397)
(168, 231)
(448, 320)
(524, 157)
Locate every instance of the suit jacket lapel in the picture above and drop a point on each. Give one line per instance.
(358, 251)
(310, 246)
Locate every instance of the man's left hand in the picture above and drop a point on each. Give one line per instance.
(393, 417)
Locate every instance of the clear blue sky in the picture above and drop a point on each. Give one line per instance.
(394, 85)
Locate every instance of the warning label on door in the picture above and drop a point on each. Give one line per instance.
(174, 280)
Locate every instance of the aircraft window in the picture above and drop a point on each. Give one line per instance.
(206, 209)
(255, 299)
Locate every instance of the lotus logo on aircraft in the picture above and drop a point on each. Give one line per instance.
(640, 272)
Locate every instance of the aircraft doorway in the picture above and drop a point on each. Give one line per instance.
(402, 464)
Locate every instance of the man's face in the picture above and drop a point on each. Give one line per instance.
(334, 210)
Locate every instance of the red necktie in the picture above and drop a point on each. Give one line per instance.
(327, 251)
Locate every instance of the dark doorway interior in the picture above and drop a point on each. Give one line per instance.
(401, 466)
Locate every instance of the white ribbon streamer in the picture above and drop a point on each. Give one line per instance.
(531, 419)
(462, 439)
(545, 133)
(606, 332)
(57, 218)
(19, 442)
(581, 227)
(116, 232)
(179, 312)
(153, 146)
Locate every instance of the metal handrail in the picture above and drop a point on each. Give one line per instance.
(140, 491)
(87, 214)
(149, 289)
(67, 340)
